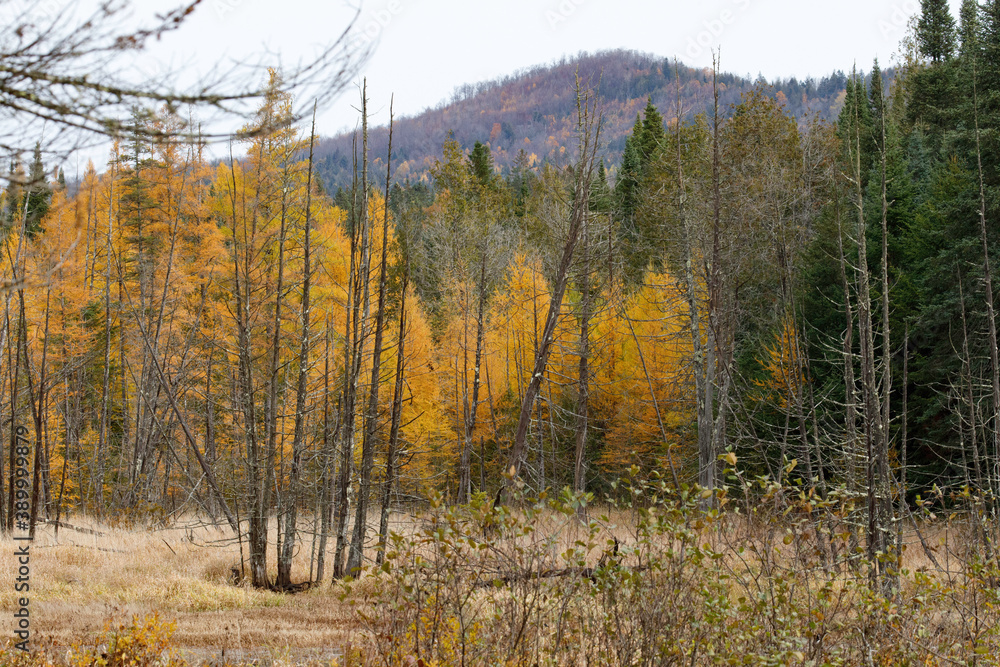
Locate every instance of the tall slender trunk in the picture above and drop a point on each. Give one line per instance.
(581, 202)
(273, 380)
(702, 390)
(326, 457)
(257, 510)
(583, 376)
(356, 558)
(993, 477)
(102, 437)
(708, 446)
(284, 578)
(345, 417)
(871, 414)
(38, 479)
(852, 451)
(884, 473)
(397, 410)
(359, 323)
(471, 407)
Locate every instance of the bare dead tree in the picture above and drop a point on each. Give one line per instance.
(72, 73)
(326, 455)
(356, 558)
(392, 451)
(993, 478)
(284, 578)
(359, 329)
(588, 133)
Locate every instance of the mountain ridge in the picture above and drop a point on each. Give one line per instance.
(533, 109)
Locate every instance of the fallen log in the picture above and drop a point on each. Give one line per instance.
(63, 524)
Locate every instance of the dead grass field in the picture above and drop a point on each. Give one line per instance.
(78, 580)
(183, 573)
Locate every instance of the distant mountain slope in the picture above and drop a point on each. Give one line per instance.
(535, 110)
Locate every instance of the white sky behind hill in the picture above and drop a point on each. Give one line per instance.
(423, 49)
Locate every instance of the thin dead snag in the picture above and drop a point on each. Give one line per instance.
(284, 578)
(359, 329)
(356, 557)
(588, 129)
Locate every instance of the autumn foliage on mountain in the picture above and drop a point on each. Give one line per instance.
(534, 111)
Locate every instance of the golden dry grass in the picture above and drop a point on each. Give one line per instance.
(79, 580)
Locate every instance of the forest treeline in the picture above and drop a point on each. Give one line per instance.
(813, 300)
(534, 111)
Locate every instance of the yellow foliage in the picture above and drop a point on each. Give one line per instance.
(647, 386)
(784, 366)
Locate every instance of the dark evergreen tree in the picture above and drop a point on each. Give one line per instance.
(856, 97)
(600, 193)
(627, 184)
(626, 199)
(520, 182)
(13, 196)
(985, 75)
(481, 164)
(936, 30)
(651, 136)
(39, 194)
(968, 27)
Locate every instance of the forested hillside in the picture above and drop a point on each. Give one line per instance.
(809, 296)
(534, 111)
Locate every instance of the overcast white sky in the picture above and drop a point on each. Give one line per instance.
(423, 49)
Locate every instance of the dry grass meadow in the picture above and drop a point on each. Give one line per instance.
(183, 573)
(538, 586)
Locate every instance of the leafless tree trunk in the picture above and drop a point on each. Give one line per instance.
(356, 558)
(871, 414)
(884, 473)
(993, 477)
(583, 376)
(852, 453)
(471, 406)
(284, 578)
(273, 378)
(102, 438)
(359, 322)
(588, 128)
(258, 507)
(38, 479)
(397, 411)
(326, 479)
(708, 445)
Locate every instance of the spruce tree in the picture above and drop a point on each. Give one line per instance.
(988, 66)
(627, 184)
(856, 95)
(627, 201)
(481, 163)
(987, 80)
(968, 27)
(876, 103)
(520, 182)
(39, 194)
(600, 193)
(651, 135)
(936, 30)
(13, 201)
